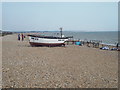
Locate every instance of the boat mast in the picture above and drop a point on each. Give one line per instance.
(61, 31)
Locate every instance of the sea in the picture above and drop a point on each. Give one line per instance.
(107, 37)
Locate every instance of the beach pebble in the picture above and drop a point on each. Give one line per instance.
(7, 69)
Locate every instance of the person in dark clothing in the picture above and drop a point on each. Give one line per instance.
(22, 37)
(117, 45)
(19, 37)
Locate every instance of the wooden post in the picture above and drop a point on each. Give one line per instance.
(61, 31)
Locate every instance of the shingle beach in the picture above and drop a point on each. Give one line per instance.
(72, 66)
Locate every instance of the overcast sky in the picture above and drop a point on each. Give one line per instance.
(0, 16)
(80, 16)
(60, 0)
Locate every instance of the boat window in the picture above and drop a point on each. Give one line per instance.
(32, 38)
(59, 40)
(36, 38)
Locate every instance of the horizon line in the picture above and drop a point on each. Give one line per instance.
(55, 31)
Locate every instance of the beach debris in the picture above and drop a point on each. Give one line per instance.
(114, 49)
(105, 48)
(78, 43)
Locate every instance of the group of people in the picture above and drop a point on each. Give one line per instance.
(21, 37)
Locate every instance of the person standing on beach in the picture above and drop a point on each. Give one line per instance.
(22, 36)
(19, 37)
(117, 45)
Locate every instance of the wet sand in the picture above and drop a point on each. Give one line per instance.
(72, 66)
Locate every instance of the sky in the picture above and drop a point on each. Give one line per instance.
(60, 0)
(0, 16)
(78, 16)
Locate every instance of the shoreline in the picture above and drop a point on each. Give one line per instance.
(47, 32)
(100, 44)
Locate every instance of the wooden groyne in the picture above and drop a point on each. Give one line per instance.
(91, 43)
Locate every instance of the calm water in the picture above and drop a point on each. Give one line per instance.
(106, 37)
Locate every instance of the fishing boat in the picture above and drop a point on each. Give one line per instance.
(41, 40)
